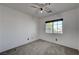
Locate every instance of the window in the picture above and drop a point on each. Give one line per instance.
(49, 27)
(54, 26)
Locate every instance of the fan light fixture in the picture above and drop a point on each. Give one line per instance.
(42, 7)
(41, 11)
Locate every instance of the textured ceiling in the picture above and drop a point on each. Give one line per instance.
(55, 7)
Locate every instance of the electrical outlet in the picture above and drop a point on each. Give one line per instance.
(56, 39)
(15, 49)
(27, 38)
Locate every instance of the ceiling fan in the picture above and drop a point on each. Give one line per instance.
(42, 7)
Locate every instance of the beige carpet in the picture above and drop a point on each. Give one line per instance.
(41, 47)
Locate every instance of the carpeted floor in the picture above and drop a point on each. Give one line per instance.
(41, 47)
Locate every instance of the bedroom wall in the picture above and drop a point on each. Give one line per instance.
(69, 36)
(78, 27)
(16, 28)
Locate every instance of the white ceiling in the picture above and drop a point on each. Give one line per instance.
(55, 7)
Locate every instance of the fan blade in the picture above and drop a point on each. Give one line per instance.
(34, 6)
(48, 11)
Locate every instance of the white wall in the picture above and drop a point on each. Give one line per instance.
(78, 27)
(15, 28)
(0, 28)
(69, 36)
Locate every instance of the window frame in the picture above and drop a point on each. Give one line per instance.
(52, 21)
